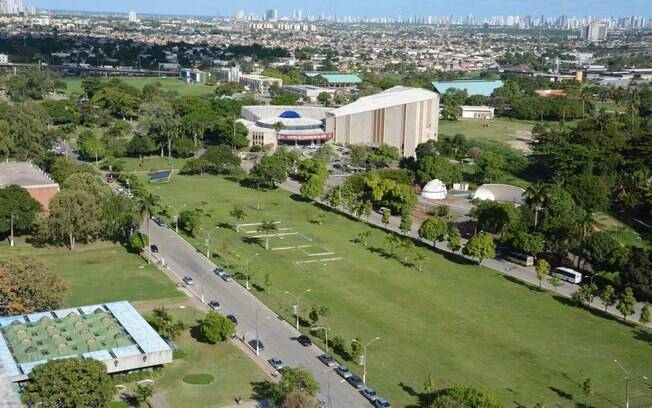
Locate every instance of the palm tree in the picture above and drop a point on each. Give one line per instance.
(408, 247)
(364, 237)
(266, 227)
(238, 213)
(536, 195)
(148, 204)
(278, 126)
(419, 257)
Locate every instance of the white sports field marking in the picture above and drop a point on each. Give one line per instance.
(281, 235)
(283, 248)
(279, 229)
(256, 223)
(317, 261)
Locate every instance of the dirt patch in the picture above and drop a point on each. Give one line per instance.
(522, 140)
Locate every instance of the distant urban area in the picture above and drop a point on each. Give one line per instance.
(324, 210)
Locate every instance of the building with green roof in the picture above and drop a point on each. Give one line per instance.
(333, 79)
(114, 333)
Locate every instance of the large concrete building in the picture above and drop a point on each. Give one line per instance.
(26, 175)
(300, 125)
(401, 117)
(594, 32)
(113, 333)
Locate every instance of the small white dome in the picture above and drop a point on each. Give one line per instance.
(500, 192)
(434, 190)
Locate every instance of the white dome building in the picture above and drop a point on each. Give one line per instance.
(500, 192)
(434, 190)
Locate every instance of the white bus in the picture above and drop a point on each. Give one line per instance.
(567, 274)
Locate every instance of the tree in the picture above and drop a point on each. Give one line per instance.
(144, 392)
(189, 221)
(542, 269)
(392, 240)
(324, 98)
(364, 237)
(645, 314)
(608, 296)
(461, 396)
(17, 208)
(215, 328)
(356, 349)
(293, 380)
(587, 390)
(74, 216)
(299, 399)
(489, 167)
(164, 324)
(626, 303)
(437, 167)
(406, 222)
(429, 384)
(313, 188)
(481, 247)
(454, 239)
(604, 252)
(535, 196)
(495, 216)
(268, 172)
(27, 285)
(433, 229)
(419, 258)
(148, 204)
(267, 227)
(238, 214)
(70, 383)
(387, 213)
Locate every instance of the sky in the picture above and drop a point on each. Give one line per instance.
(370, 8)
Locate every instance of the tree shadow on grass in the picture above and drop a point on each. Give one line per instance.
(300, 198)
(252, 241)
(561, 393)
(225, 225)
(596, 312)
(381, 251)
(643, 335)
(261, 390)
(130, 399)
(532, 288)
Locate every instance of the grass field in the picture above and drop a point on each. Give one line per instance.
(461, 323)
(623, 232)
(171, 84)
(152, 163)
(232, 371)
(101, 272)
(503, 130)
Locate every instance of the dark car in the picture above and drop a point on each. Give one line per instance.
(214, 304)
(226, 277)
(188, 280)
(356, 381)
(218, 270)
(304, 340)
(154, 248)
(328, 360)
(343, 371)
(381, 403)
(232, 318)
(370, 394)
(253, 342)
(276, 363)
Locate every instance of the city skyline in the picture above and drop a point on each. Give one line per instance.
(387, 8)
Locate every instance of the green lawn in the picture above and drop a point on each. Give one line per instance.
(101, 272)
(152, 163)
(232, 371)
(623, 232)
(503, 130)
(171, 84)
(460, 323)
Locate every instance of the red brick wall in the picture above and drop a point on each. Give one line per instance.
(43, 194)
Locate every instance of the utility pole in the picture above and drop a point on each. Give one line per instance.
(11, 239)
(326, 329)
(626, 383)
(364, 356)
(247, 269)
(296, 306)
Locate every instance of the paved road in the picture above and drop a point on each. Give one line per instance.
(526, 274)
(274, 332)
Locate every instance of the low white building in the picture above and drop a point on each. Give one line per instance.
(259, 83)
(500, 192)
(309, 92)
(434, 190)
(477, 112)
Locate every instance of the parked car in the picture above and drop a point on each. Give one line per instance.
(304, 340)
(154, 248)
(218, 270)
(355, 381)
(343, 372)
(214, 304)
(370, 394)
(381, 403)
(252, 344)
(276, 363)
(188, 280)
(159, 221)
(233, 319)
(328, 360)
(226, 277)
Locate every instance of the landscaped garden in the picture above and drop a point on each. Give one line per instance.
(474, 325)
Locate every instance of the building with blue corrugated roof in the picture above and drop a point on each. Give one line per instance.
(471, 86)
(333, 79)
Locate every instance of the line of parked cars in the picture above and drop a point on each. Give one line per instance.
(369, 393)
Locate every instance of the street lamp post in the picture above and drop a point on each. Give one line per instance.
(364, 362)
(11, 239)
(626, 383)
(296, 306)
(326, 329)
(257, 338)
(247, 269)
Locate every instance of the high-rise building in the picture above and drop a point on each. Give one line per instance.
(593, 32)
(271, 15)
(11, 7)
(297, 15)
(239, 14)
(133, 17)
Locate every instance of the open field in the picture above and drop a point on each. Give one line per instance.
(101, 272)
(459, 322)
(232, 371)
(512, 132)
(152, 163)
(170, 84)
(623, 232)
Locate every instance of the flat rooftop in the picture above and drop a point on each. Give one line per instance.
(24, 174)
(103, 332)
